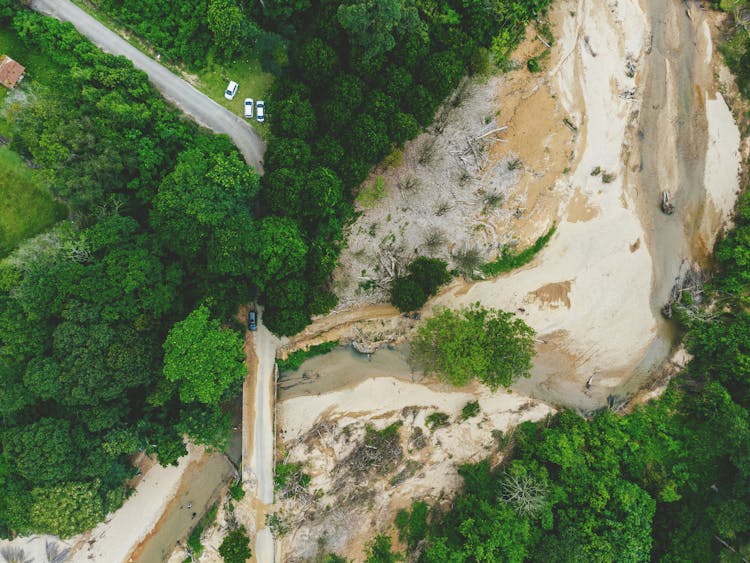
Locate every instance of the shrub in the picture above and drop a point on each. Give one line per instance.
(436, 420)
(470, 410)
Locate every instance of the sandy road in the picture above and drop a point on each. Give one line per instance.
(199, 106)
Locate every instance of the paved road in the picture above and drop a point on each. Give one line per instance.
(260, 467)
(202, 108)
(261, 457)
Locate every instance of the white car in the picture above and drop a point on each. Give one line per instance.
(260, 111)
(231, 90)
(249, 108)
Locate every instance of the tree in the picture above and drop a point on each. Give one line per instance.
(44, 451)
(66, 509)
(294, 116)
(425, 276)
(379, 551)
(202, 359)
(407, 295)
(236, 546)
(370, 23)
(281, 249)
(487, 344)
(229, 27)
(208, 192)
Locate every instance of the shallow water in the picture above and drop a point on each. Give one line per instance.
(344, 367)
(199, 487)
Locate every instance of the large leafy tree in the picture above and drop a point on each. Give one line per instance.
(208, 195)
(236, 546)
(475, 342)
(202, 359)
(371, 24)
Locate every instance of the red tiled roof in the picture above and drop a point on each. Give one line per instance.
(10, 72)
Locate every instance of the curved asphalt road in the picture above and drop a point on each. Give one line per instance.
(202, 108)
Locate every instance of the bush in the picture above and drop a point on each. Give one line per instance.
(436, 420)
(425, 276)
(471, 409)
(236, 491)
(407, 295)
(508, 260)
(236, 546)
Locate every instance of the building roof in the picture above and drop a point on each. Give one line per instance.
(10, 72)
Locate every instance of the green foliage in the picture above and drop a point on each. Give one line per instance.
(65, 510)
(437, 420)
(488, 344)
(379, 551)
(295, 359)
(236, 546)
(424, 277)
(470, 410)
(194, 542)
(202, 359)
(509, 260)
(236, 491)
(278, 524)
(370, 25)
(736, 52)
(370, 195)
(533, 65)
(407, 295)
(412, 525)
(289, 476)
(186, 33)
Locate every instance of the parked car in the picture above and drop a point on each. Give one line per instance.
(249, 108)
(252, 320)
(260, 110)
(231, 90)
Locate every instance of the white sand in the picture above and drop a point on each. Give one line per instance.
(379, 395)
(609, 324)
(722, 166)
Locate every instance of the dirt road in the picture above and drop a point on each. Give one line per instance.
(258, 430)
(199, 106)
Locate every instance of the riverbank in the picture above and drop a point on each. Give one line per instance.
(321, 432)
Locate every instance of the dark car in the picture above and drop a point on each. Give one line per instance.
(252, 320)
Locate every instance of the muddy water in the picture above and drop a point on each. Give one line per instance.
(200, 487)
(670, 156)
(343, 367)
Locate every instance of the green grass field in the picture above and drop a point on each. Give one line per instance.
(26, 205)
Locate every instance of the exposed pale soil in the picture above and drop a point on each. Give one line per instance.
(321, 431)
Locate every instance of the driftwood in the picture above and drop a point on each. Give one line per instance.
(667, 206)
(496, 130)
(570, 124)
